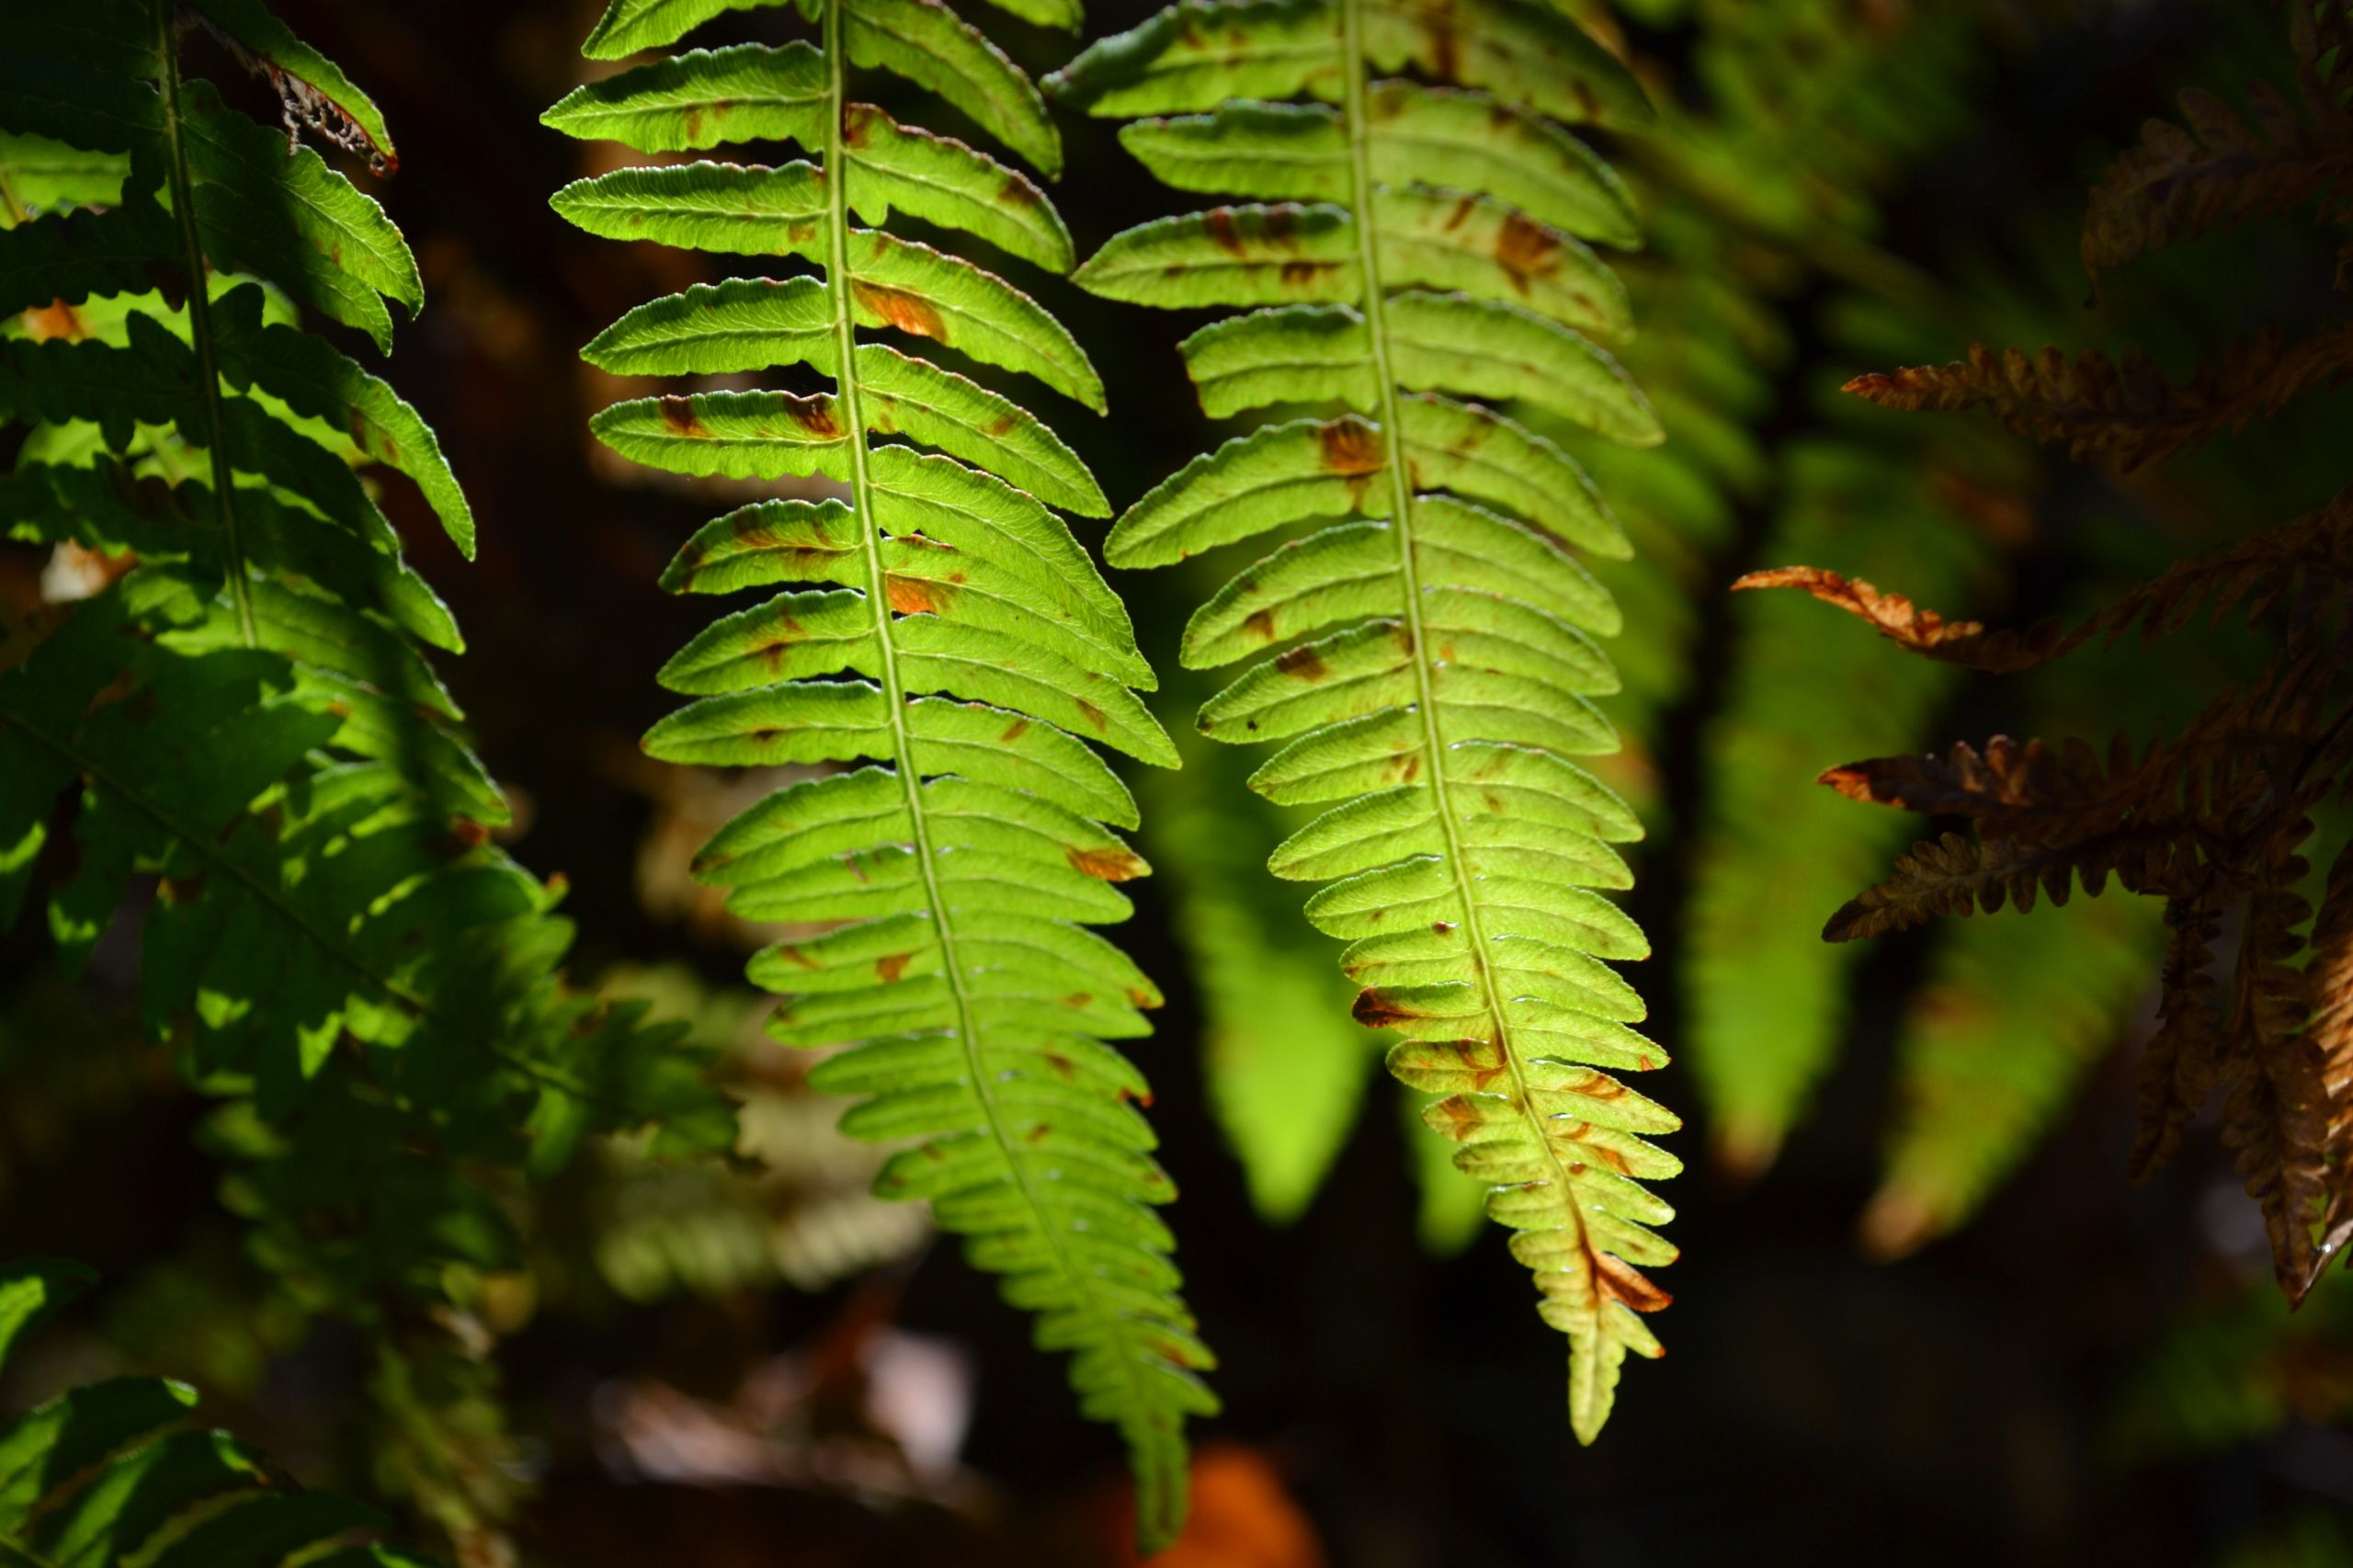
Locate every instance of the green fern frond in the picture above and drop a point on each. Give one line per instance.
(1770, 863)
(247, 718)
(1285, 1066)
(942, 624)
(2016, 1014)
(1438, 660)
(112, 1473)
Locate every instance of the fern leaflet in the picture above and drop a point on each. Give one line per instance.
(959, 877)
(1443, 713)
(108, 1473)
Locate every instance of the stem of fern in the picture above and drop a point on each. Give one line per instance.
(1400, 493)
(199, 323)
(1159, 1496)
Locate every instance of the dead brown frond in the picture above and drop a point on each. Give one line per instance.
(2124, 411)
(2314, 555)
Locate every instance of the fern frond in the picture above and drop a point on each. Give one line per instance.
(1432, 647)
(2170, 823)
(1772, 863)
(2125, 412)
(2328, 1001)
(246, 718)
(2314, 555)
(2217, 169)
(2276, 1112)
(2015, 1014)
(1285, 1066)
(112, 1473)
(2184, 1057)
(951, 631)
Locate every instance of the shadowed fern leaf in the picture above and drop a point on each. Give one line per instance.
(958, 878)
(246, 720)
(248, 714)
(1414, 245)
(111, 1473)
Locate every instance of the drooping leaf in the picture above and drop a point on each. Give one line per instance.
(941, 628)
(1431, 644)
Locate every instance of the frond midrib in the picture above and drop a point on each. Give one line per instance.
(848, 393)
(199, 322)
(1401, 488)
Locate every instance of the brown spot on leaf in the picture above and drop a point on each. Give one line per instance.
(859, 121)
(1061, 1066)
(791, 954)
(1350, 446)
(1461, 1117)
(1112, 863)
(1092, 714)
(1525, 250)
(1259, 625)
(56, 319)
(1598, 1086)
(1223, 231)
(917, 596)
(897, 308)
(1303, 663)
(889, 966)
(678, 413)
(1037, 1134)
(1298, 274)
(1445, 48)
(1461, 213)
(1077, 999)
(814, 415)
(1377, 1011)
(1014, 732)
(1441, 927)
(1621, 1281)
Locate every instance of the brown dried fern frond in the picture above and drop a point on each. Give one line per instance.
(2184, 1057)
(2122, 410)
(2328, 994)
(2314, 553)
(2275, 1115)
(2220, 168)
(2174, 821)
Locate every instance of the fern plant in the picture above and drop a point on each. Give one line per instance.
(961, 642)
(245, 718)
(2214, 821)
(1416, 246)
(111, 1473)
